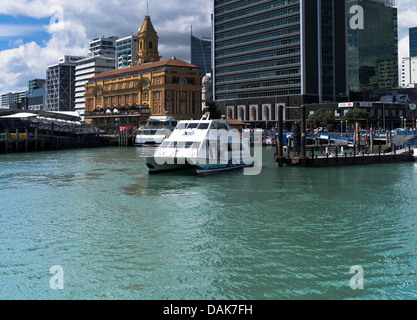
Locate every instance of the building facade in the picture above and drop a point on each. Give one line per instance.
(60, 85)
(128, 96)
(413, 42)
(373, 47)
(409, 72)
(126, 52)
(100, 59)
(268, 53)
(6, 100)
(103, 46)
(35, 96)
(13, 100)
(201, 53)
(85, 69)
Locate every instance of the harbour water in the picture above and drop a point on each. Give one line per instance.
(289, 233)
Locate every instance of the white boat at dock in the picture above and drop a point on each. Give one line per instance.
(155, 131)
(206, 146)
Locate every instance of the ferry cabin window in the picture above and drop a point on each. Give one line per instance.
(203, 126)
(192, 126)
(182, 125)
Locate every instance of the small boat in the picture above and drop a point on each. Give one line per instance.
(205, 146)
(155, 131)
(268, 139)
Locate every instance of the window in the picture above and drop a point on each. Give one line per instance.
(182, 125)
(150, 45)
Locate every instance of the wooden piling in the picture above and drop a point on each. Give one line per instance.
(6, 144)
(303, 146)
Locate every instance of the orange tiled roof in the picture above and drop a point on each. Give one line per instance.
(143, 67)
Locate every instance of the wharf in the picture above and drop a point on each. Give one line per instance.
(335, 155)
(11, 143)
(345, 160)
(22, 131)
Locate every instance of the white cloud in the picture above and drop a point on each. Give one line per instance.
(75, 23)
(80, 21)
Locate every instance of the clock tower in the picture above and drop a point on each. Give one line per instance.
(147, 42)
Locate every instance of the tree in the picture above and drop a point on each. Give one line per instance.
(215, 112)
(356, 115)
(322, 117)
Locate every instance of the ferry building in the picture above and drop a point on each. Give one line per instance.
(127, 97)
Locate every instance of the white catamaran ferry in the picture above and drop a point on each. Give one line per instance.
(206, 146)
(156, 129)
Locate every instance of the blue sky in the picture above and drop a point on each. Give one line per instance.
(14, 30)
(29, 41)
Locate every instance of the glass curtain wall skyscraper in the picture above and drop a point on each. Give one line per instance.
(291, 51)
(373, 48)
(413, 42)
(201, 53)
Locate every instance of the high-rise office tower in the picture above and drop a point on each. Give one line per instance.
(372, 45)
(413, 42)
(201, 53)
(101, 58)
(60, 85)
(291, 51)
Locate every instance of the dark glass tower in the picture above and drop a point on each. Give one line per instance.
(201, 54)
(373, 50)
(290, 51)
(413, 42)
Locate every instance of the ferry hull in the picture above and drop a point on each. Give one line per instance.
(213, 169)
(162, 166)
(159, 166)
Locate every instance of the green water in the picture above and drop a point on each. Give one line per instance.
(289, 233)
